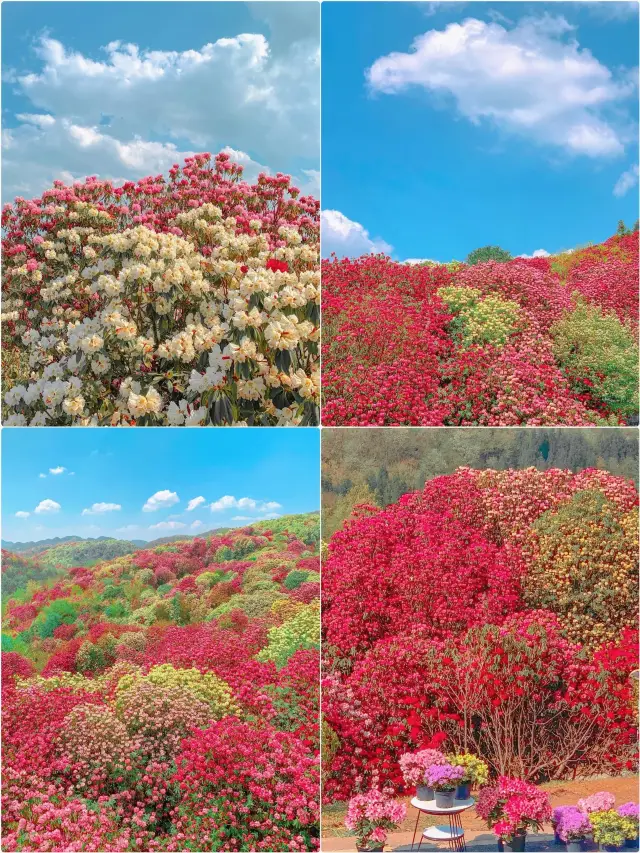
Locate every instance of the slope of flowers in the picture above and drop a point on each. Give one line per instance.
(192, 300)
(496, 610)
(539, 341)
(144, 706)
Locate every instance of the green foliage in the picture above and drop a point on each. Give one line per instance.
(599, 355)
(488, 253)
(85, 553)
(295, 578)
(302, 631)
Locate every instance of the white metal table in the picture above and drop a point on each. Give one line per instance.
(453, 834)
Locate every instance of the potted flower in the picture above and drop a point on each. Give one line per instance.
(512, 808)
(476, 772)
(370, 816)
(414, 765)
(556, 817)
(629, 811)
(603, 801)
(573, 827)
(609, 829)
(444, 779)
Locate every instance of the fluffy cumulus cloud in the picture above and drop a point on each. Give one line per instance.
(101, 509)
(227, 502)
(168, 525)
(194, 503)
(130, 111)
(22, 514)
(348, 239)
(161, 500)
(47, 506)
(533, 79)
(60, 469)
(196, 525)
(627, 181)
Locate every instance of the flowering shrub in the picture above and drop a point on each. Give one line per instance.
(500, 664)
(189, 301)
(475, 769)
(443, 777)
(537, 342)
(135, 727)
(610, 828)
(370, 816)
(415, 764)
(603, 801)
(512, 806)
(572, 824)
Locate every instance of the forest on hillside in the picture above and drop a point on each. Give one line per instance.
(377, 466)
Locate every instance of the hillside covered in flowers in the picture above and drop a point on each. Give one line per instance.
(166, 699)
(530, 341)
(192, 299)
(494, 612)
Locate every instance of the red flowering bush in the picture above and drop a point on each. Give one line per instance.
(446, 591)
(223, 769)
(495, 344)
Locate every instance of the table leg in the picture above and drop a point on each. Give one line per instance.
(415, 829)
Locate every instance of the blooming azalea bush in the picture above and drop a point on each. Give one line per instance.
(193, 300)
(473, 594)
(512, 807)
(571, 824)
(540, 341)
(370, 816)
(153, 727)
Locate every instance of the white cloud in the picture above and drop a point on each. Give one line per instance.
(229, 502)
(243, 518)
(42, 476)
(270, 516)
(22, 514)
(194, 503)
(105, 116)
(626, 181)
(168, 525)
(347, 238)
(196, 524)
(270, 506)
(47, 506)
(530, 79)
(101, 508)
(414, 261)
(59, 470)
(161, 500)
(537, 253)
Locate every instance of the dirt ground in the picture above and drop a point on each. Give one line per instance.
(335, 836)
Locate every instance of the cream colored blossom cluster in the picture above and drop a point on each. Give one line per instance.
(204, 326)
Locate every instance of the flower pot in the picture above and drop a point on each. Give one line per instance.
(575, 846)
(445, 799)
(556, 838)
(424, 793)
(517, 843)
(631, 844)
(610, 847)
(463, 792)
(377, 849)
(500, 845)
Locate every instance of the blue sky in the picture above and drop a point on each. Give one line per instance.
(505, 123)
(238, 475)
(123, 90)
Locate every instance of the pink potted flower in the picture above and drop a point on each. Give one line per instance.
(370, 816)
(414, 766)
(573, 827)
(512, 807)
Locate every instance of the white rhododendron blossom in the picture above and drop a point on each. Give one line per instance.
(194, 325)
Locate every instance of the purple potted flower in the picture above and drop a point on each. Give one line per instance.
(555, 820)
(573, 827)
(444, 779)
